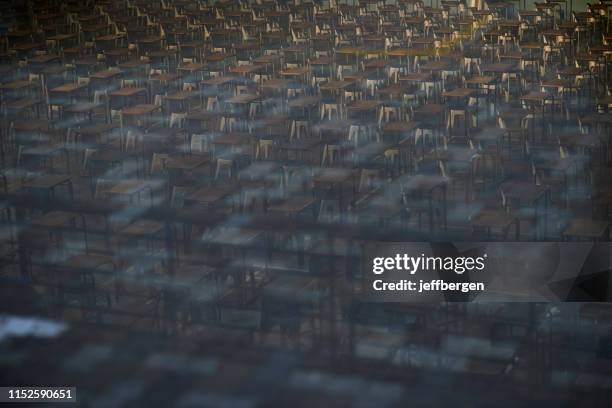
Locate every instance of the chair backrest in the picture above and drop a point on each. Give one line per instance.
(102, 187)
(19, 154)
(367, 179)
(158, 163)
(198, 143)
(128, 83)
(242, 89)
(534, 173)
(5, 183)
(177, 198)
(130, 140)
(86, 155)
(245, 35)
(443, 169)
(264, 148)
(177, 120)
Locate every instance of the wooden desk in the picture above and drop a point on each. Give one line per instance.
(234, 139)
(121, 98)
(218, 81)
(293, 206)
(142, 229)
(300, 148)
(430, 109)
(521, 193)
(139, 110)
(65, 95)
(535, 99)
(335, 86)
(131, 188)
(418, 77)
(127, 92)
(106, 75)
(95, 131)
(421, 184)
(459, 93)
(211, 195)
(246, 70)
(305, 102)
(186, 163)
(180, 100)
(295, 72)
(275, 84)
(50, 182)
(83, 108)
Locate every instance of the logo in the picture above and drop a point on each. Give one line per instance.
(413, 264)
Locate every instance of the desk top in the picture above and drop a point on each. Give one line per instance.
(126, 92)
(430, 109)
(399, 127)
(481, 80)
(416, 77)
(129, 187)
(459, 93)
(106, 74)
(243, 99)
(364, 105)
(302, 144)
(523, 191)
(12, 86)
(536, 97)
(180, 96)
(295, 71)
(43, 59)
(135, 63)
(245, 69)
(68, 88)
(440, 65)
(46, 181)
(304, 102)
(139, 110)
(499, 68)
(218, 81)
(211, 194)
(425, 182)
(279, 84)
(293, 205)
(191, 67)
(186, 162)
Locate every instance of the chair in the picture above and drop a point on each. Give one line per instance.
(158, 163)
(512, 136)
(461, 174)
(299, 129)
(466, 112)
(227, 165)
(200, 143)
(330, 109)
(264, 149)
(79, 279)
(332, 154)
